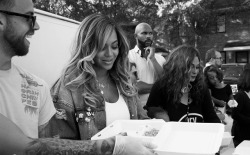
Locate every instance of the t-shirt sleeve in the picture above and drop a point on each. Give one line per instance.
(47, 109)
(155, 100)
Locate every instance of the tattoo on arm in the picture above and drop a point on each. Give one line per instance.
(63, 146)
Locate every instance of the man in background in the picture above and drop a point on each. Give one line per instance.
(213, 57)
(147, 64)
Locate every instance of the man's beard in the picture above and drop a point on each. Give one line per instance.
(144, 44)
(15, 43)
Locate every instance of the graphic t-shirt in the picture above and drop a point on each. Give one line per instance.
(194, 112)
(25, 99)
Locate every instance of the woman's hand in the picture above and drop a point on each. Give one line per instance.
(125, 145)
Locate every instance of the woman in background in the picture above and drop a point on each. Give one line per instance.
(180, 94)
(95, 88)
(221, 93)
(241, 113)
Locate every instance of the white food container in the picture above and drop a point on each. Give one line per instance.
(243, 148)
(131, 127)
(179, 138)
(226, 140)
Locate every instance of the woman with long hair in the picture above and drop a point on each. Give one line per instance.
(95, 88)
(180, 94)
(241, 113)
(221, 93)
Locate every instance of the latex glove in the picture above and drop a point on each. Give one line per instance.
(126, 145)
(232, 103)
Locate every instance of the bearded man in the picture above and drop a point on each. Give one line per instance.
(148, 64)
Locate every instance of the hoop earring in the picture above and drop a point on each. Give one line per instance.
(187, 88)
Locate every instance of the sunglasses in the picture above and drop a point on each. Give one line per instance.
(29, 17)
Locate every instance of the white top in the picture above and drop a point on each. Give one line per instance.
(25, 99)
(145, 68)
(116, 111)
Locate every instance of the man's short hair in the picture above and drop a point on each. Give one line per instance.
(210, 54)
(6, 4)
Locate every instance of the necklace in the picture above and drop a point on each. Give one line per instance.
(104, 84)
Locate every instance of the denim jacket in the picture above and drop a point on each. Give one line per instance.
(79, 121)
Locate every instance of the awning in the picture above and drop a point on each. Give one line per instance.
(237, 45)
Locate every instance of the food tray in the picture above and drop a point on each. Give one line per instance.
(179, 138)
(131, 127)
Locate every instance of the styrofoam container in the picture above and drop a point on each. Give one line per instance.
(131, 127)
(180, 138)
(226, 140)
(243, 148)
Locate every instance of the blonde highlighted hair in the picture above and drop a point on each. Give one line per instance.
(91, 38)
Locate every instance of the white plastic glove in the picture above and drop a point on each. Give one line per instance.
(126, 145)
(232, 103)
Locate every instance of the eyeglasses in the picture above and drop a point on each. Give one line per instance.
(219, 58)
(29, 17)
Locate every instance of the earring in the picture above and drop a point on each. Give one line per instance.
(92, 61)
(187, 88)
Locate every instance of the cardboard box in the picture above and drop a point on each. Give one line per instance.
(133, 128)
(243, 148)
(179, 138)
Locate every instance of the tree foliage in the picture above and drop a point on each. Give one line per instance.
(174, 20)
(185, 19)
(125, 11)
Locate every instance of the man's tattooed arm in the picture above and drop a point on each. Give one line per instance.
(63, 146)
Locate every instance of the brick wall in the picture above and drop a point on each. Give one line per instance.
(237, 28)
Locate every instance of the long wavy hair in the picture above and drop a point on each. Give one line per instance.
(212, 68)
(244, 80)
(91, 38)
(177, 72)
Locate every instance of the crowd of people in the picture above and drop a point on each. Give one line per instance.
(104, 81)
